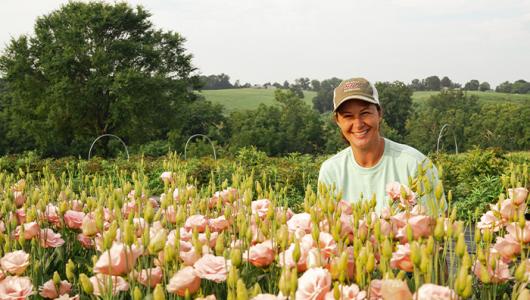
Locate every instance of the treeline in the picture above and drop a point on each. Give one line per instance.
(119, 75)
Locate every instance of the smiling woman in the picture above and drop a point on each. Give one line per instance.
(371, 162)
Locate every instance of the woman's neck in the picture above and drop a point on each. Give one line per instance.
(369, 157)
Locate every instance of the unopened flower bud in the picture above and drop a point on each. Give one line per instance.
(86, 284)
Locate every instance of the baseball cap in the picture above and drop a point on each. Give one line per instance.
(355, 88)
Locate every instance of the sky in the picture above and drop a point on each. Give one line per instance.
(260, 41)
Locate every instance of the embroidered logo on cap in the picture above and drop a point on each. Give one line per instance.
(352, 85)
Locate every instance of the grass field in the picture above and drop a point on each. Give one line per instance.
(251, 98)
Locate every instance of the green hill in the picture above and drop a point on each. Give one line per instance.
(248, 98)
(251, 98)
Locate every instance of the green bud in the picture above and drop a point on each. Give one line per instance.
(158, 293)
(241, 290)
(235, 257)
(86, 284)
(137, 293)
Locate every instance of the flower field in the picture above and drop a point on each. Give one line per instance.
(109, 237)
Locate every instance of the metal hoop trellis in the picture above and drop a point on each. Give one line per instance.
(111, 135)
(440, 137)
(196, 135)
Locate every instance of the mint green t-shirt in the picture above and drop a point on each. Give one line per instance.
(397, 164)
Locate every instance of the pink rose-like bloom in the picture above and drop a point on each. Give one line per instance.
(519, 234)
(50, 239)
(421, 226)
(518, 195)
(260, 207)
(212, 267)
(85, 241)
(266, 297)
(14, 287)
(196, 221)
(167, 177)
(88, 226)
(185, 279)
(507, 247)
(67, 297)
(119, 260)
(499, 275)
(401, 259)
(51, 213)
(15, 262)
(314, 284)
(49, 290)
(218, 224)
(100, 282)
(430, 291)
(345, 207)
(74, 219)
(300, 221)
(395, 289)
(20, 214)
(351, 292)
(375, 289)
(77, 205)
(509, 210)
(489, 221)
(150, 277)
(260, 255)
(393, 190)
(19, 198)
(327, 245)
(31, 230)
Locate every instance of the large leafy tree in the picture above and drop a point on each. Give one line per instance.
(396, 100)
(323, 101)
(91, 69)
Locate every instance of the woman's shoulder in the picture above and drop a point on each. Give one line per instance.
(404, 152)
(337, 158)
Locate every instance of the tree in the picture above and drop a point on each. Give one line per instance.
(277, 85)
(432, 83)
(472, 85)
(396, 100)
(216, 82)
(297, 90)
(446, 82)
(286, 84)
(96, 68)
(484, 86)
(416, 85)
(315, 85)
(521, 87)
(303, 82)
(323, 101)
(505, 87)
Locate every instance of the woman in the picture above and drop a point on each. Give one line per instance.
(372, 161)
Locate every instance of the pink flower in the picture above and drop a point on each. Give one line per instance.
(171, 214)
(314, 284)
(150, 277)
(519, 234)
(77, 205)
(67, 297)
(185, 279)
(327, 245)
(88, 226)
(393, 189)
(518, 195)
(51, 213)
(209, 297)
(421, 226)
(430, 291)
(20, 214)
(31, 230)
(507, 247)
(218, 224)
(196, 221)
(509, 210)
(260, 207)
(267, 297)
(489, 221)
(74, 219)
(260, 255)
(300, 221)
(19, 198)
(50, 239)
(345, 207)
(100, 282)
(85, 241)
(351, 292)
(167, 177)
(15, 262)
(395, 289)
(189, 257)
(499, 275)
(375, 289)
(214, 268)
(16, 288)
(401, 259)
(49, 290)
(119, 260)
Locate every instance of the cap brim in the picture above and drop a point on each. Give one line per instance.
(356, 97)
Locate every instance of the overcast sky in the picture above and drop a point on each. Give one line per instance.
(258, 41)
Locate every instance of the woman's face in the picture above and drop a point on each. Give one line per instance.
(359, 123)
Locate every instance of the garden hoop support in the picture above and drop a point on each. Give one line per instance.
(110, 135)
(440, 137)
(204, 136)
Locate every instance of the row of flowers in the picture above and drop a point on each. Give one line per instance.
(118, 242)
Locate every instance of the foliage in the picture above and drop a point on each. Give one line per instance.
(518, 87)
(216, 82)
(91, 69)
(472, 85)
(323, 101)
(396, 100)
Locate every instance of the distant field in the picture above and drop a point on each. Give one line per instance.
(484, 97)
(251, 98)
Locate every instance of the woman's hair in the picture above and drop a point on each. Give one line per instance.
(336, 113)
